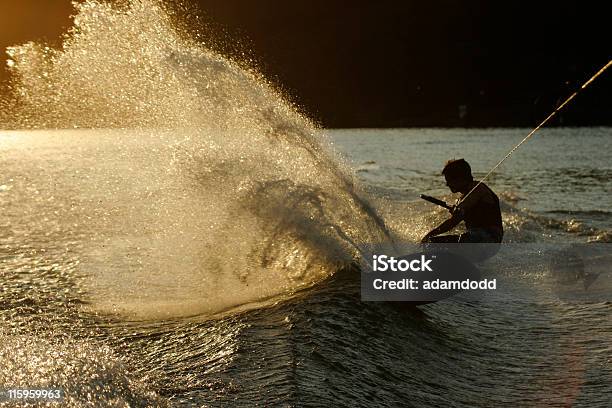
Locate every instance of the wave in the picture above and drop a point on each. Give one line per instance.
(525, 224)
(249, 200)
(580, 212)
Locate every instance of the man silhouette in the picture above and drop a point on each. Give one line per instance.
(479, 210)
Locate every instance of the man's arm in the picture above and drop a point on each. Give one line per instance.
(472, 199)
(446, 226)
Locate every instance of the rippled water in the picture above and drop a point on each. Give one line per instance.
(189, 241)
(107, 315)
(565, 173)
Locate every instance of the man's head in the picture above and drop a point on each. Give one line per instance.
(458, 175)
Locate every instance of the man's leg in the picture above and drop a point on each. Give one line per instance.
(444, 239)
(482, 244)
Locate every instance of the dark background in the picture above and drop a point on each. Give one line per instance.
(398, 63)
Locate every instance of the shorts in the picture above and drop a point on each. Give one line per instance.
(489, 240)
(473, 236)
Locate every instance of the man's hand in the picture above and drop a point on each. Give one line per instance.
(445, 226)
(456, 211)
